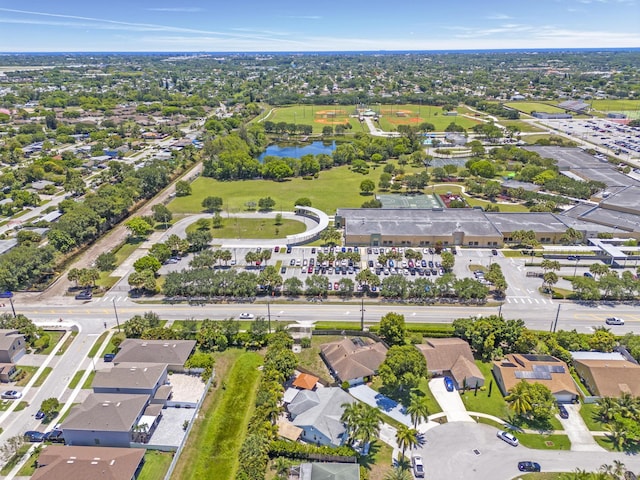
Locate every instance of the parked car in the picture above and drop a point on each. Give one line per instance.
(246, 316)
(108, 357)
(418, 466)
(507, 437)
(494, 251)
(11, 395)
(84, 295)
(614, 321)
(33, 436)
(564, 413)
(283, 270)
(448, 383)
(529, 466)
(40, 415)
(54, 436)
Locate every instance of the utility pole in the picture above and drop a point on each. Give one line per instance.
(115, 310)
(13, 308)
(269, 314)
(554, 324)
(362, 314)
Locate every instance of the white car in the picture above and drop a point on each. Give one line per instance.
(507, 437)
(418, 466)
(614, 321)
(11, 395)
(246, 316)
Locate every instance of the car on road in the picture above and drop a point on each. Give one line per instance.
(418, 466)
(507, 437)
(40, 415)
(11, 395)
(614, 321)
(33, 436)
(448, 384)
(246, 316)
(564, 413)
(529, 466)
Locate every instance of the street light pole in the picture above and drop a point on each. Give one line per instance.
(13, 309)
(362, 314)
(115, 310)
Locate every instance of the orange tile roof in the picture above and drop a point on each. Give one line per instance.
(305, 381)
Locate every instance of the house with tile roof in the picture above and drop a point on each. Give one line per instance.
(452, 357)
(353, 360)
(607, 374)
(317, 413)
(544, 369)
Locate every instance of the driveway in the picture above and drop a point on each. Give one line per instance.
(469, 451)
(581, 438)
(450, 402)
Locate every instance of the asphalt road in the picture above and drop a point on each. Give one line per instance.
(449, 454)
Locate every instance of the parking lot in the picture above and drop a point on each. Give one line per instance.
(303, 261)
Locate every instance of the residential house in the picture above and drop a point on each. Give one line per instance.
(174, 353)
(111, 420)
(353, 360)
(58, 462)
(607, 374)
(543, 369)
(135, 379)
(318, 412)
(305, 381)
(12, 346)
(452, 357)
(7, 370)
(327, 471)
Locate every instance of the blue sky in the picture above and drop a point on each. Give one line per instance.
(327, 25)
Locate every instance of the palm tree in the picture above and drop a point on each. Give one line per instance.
(398, 474)
(418, 409)
(618, 469)
(349, 417)
(607, 407)
(368, 424)
(617, 433)
(406, 437)
(519, 399)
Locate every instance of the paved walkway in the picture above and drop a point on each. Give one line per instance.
(371, 397)
(581, 438)
(450, 402)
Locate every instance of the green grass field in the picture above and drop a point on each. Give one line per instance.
(333, 188)
(529, 107)
(156, 464)
(319, 116)
(524, 127)
(482, 402)
(254, 228)
(215, 441)
(615, 105)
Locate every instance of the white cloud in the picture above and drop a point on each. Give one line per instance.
(498, 16)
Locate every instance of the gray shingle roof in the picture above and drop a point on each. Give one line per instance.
(106, 412)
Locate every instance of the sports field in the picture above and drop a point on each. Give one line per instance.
(410, 201)
(319, 116)
(616, 105)
(529, 107)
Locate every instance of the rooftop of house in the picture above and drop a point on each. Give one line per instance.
(60, 462)
(171, 352)
(350, 360)
(106, 412)
(544, 369)
(130, 375)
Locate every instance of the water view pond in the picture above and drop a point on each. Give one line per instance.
(295, 151)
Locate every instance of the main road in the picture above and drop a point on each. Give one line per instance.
(91, 316)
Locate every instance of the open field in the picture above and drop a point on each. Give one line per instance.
(319, 116)
(524, 127)
(254, 228)
(333, 188)
(529, 107)
(615, 105)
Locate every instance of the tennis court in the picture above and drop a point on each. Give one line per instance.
(410, 201)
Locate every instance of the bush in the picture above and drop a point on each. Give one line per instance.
(286, 448)
(305, 342)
